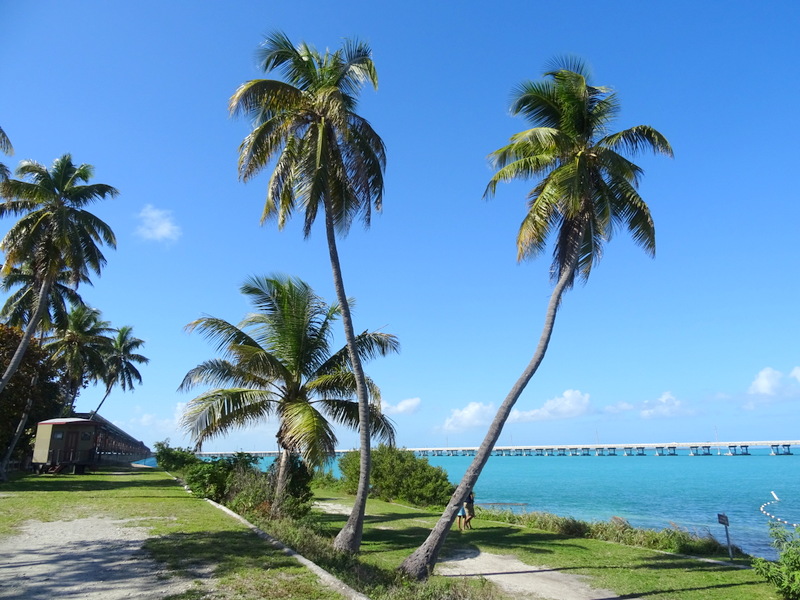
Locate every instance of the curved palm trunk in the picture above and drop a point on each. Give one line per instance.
(23, 420)
(421, 562)
(97, 410)
(349, 538)
(27, 336)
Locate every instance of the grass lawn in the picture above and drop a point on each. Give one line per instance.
(392, 531)
(190, 535)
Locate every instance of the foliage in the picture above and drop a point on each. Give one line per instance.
(784, 573)
(174, 459)
(35, 377)
(279, 361)
(209, 479)
(397, 474)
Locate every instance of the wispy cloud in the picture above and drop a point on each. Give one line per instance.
(405, 407)
(766, 382)
(619, 407)
(474, 414)
(157, 224)
(572, 403)
(665, 406)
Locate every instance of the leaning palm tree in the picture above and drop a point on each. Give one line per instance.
(278, 362)
(120, 359)
(326, 157)
(55, 234)
(79, 350)
(586, 190)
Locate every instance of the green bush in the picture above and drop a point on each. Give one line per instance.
(174, 459)
(784, 573)
(209, 479)
(397, 474)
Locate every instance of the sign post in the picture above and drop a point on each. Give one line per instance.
(723, 520)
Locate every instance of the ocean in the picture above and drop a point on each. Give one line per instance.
(648, 491)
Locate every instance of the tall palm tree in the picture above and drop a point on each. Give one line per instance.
(586, 190)
(120, 359)
(326, 156)
(80, 349)
(55, 234)
(278, 361)
(5, 148)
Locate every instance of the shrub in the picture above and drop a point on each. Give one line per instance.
(397, 474)
(174, 459)
(784, 573)
(209, 479)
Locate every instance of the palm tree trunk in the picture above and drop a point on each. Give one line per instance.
(349, 538)
(16, 360)
(280, 483)
(421, 562)
(97, 410)
(23, 420)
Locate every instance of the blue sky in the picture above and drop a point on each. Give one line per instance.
(698, 343)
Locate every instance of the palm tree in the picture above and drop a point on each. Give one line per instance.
(80, 349)
(55, 234)
(21, 304)
(5, 148)
(586, 190)
(278, 361)
(326, 156)
(121, 359)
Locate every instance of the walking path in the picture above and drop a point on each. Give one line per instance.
(91, 559)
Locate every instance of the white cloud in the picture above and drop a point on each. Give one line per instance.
(157, 224)
(473, 415)
(766, 382)
(795, 373)
(666, 406)
(619, 407)
(572, 403)
(404, 407)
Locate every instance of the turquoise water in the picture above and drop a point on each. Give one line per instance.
(648, 491)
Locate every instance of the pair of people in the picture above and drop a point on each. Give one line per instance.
(466, 513)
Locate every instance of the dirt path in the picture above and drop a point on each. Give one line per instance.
(520, 580)
(90, 559)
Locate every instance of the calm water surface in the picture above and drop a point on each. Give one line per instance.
(648, 491)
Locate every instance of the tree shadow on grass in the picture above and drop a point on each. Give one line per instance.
(225, 551)
(85, 483)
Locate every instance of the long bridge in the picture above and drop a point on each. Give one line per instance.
(777, 448)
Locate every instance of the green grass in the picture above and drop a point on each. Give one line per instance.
(393, 531)
(191, 536)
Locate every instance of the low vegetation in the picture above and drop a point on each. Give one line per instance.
(784, 573)
(673, 539)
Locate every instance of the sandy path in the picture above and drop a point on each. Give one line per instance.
(520, 580)
(91, 559)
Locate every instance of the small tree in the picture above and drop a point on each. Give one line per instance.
(398, 475)
(784, 573)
